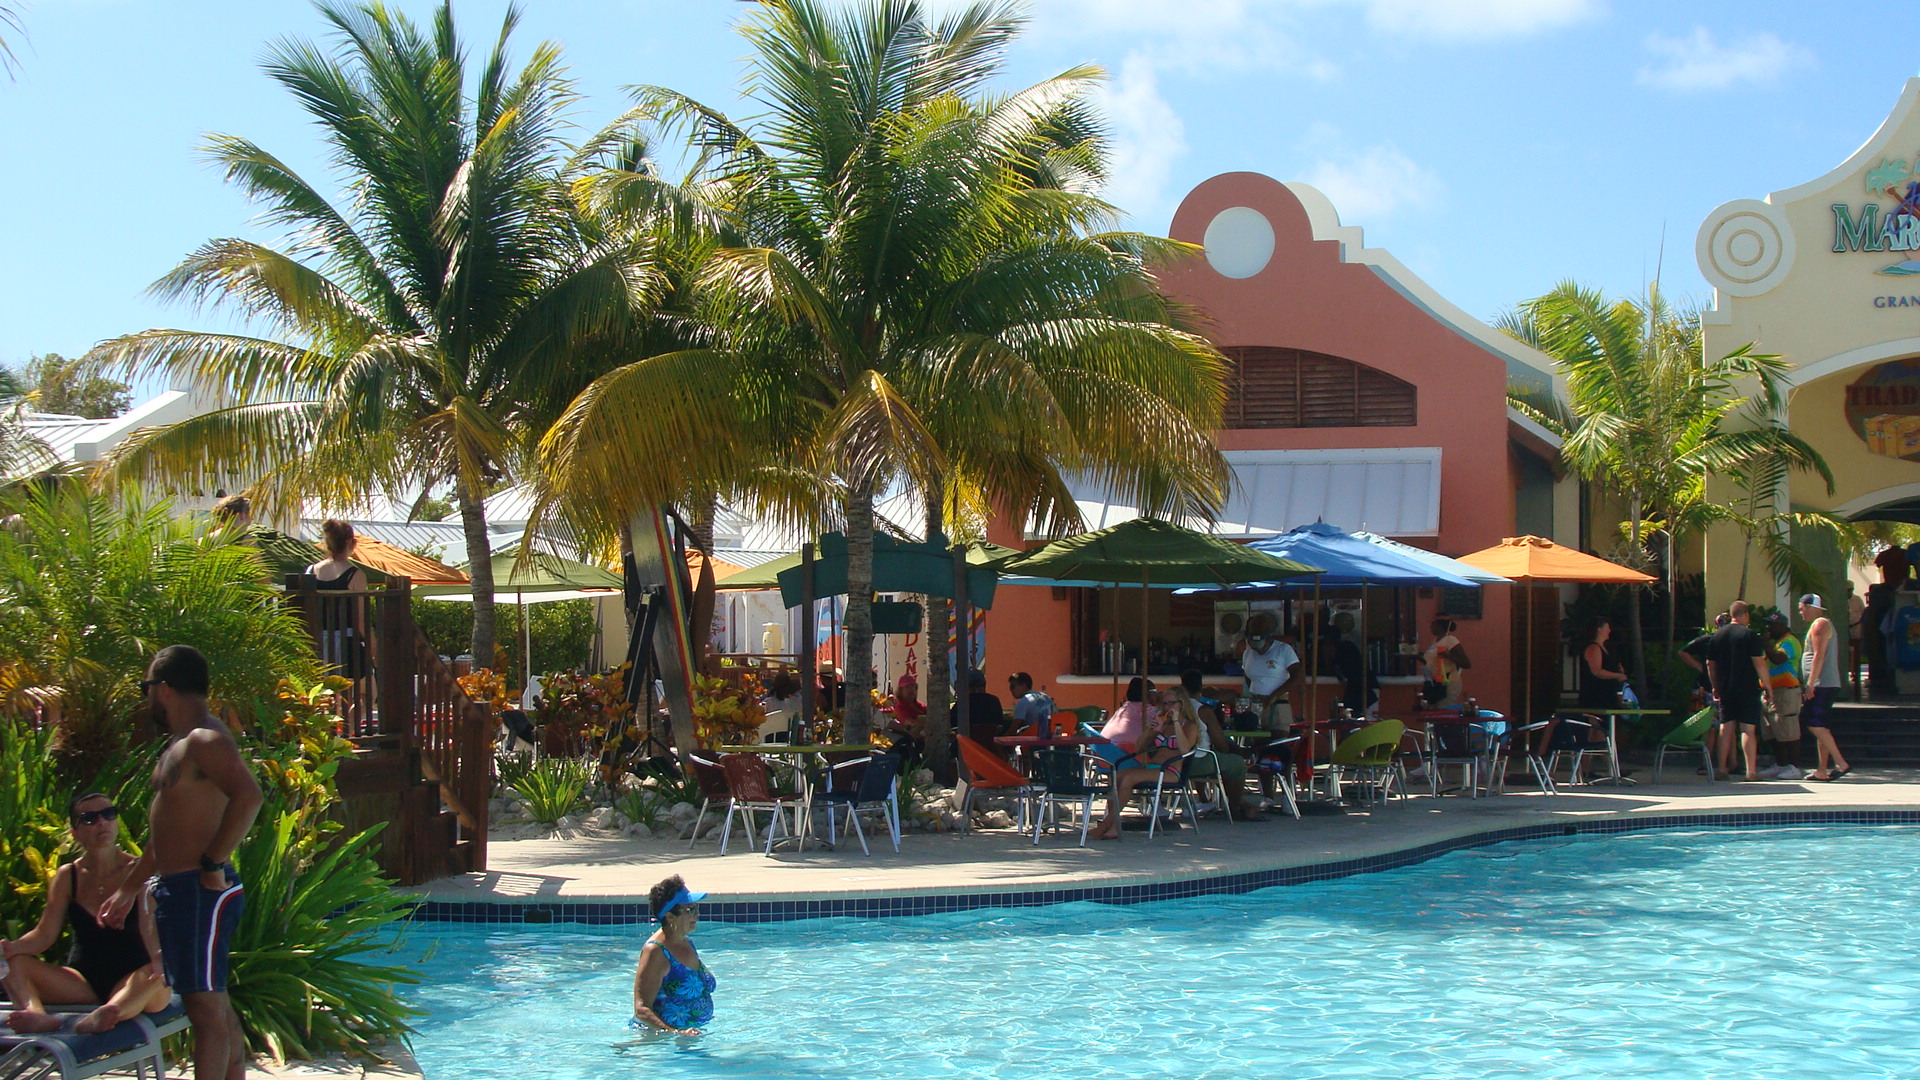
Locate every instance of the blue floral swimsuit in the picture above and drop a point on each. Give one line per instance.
(686, 996)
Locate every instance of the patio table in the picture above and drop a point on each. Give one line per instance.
(1613, 713)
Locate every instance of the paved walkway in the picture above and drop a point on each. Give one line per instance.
(587, 868)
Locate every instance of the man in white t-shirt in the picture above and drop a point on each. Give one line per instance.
(1272, 667)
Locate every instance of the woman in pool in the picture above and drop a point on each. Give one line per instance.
(672, 989)
(116, 970)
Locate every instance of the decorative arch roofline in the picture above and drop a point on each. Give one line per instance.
(1877, 143)
(1523, 361)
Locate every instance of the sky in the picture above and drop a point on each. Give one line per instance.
(1497, 147)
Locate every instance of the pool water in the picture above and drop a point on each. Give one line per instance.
(1790, 953)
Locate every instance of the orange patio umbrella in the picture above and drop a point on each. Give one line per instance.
(399, 562)
(1536, 559)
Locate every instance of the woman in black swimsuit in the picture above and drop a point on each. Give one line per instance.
(117, 970)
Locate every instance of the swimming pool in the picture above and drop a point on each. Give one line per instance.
(1784, 953)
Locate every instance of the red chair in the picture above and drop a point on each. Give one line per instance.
(750, 791)
(713, 789)
(984, 771)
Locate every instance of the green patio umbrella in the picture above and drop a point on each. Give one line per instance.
(898, 566)
(545, 578)
(1150, 552)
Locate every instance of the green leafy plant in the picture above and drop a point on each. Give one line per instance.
(133, 577)
(317, 911)
(514, 768)
(642, 806)
(554, 788)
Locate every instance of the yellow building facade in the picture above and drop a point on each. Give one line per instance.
(1827, 274)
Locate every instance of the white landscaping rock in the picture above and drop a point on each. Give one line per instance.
(999, 819)
(683, 812)
(568, 823)
(600, 818)
(638, 831)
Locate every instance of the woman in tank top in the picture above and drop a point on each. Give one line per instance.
(118, 972)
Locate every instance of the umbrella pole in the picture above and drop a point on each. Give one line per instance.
(1366, 699)
(1529, 654)
(1117, 651)
(526, 642)
(1144, 620)
(1305, 769)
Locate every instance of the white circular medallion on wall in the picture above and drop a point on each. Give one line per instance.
(1745, 247)
(1239, 242)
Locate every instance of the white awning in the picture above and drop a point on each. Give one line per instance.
(1392, 491)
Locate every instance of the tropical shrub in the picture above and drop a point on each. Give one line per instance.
(485, 686)
(725, 714)
(132, 578)
(578, 710)
(513, 768)
(304, 979)
(554, 788)
(642, 806)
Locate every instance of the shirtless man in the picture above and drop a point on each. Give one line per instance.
(204, 801)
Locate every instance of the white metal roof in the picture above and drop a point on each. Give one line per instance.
(1393, 491)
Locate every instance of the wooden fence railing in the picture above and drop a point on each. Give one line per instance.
(423, 758)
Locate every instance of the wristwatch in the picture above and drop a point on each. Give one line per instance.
(207, 865)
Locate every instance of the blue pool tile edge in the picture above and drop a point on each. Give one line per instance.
(606, 912)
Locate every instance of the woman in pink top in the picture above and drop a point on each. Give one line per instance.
(1172, 729)
(1129, 721)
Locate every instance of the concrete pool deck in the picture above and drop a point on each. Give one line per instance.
(562, 873)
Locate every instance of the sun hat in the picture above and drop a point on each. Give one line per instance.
(681, 899)
(1813, 600)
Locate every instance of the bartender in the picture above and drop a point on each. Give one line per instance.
(1272, 669)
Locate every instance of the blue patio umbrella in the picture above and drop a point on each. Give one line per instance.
(1352, 560)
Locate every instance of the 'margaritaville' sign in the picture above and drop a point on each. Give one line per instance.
(1865, 228)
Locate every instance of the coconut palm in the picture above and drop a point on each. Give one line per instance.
(1648, 418)
(414, 333)
(919, 292)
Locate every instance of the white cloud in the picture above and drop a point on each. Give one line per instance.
(1459, 19)
(1698, 62)
(1148, 138)
(1369, 184)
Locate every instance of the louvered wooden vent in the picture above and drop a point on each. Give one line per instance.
(1284, 388)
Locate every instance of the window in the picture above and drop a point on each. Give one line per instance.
(1293, 388)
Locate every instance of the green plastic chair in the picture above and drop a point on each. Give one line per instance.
(1691, 735)
(1090, 714)
(1369, 755)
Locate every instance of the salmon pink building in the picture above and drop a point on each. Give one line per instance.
(1359, 397)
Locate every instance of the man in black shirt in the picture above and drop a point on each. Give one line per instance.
(1694, 655)
(1737, 664)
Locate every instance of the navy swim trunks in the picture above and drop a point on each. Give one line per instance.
(1818, 710)
(196, 926)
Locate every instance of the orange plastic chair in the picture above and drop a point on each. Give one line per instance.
(983, 771)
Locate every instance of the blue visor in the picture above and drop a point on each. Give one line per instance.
(681, 899)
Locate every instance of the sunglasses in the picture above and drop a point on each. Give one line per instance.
(149, 684)
(105, 813)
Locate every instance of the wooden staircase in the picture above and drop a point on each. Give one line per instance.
(423, 757)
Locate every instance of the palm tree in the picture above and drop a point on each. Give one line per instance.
(919, 292)
(10, 21)
(413, 334)
(1649, 418)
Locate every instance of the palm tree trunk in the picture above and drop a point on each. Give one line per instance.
(704, 593)
(1636, 635)
(857, 633)
(473, 522)
(939, 673)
